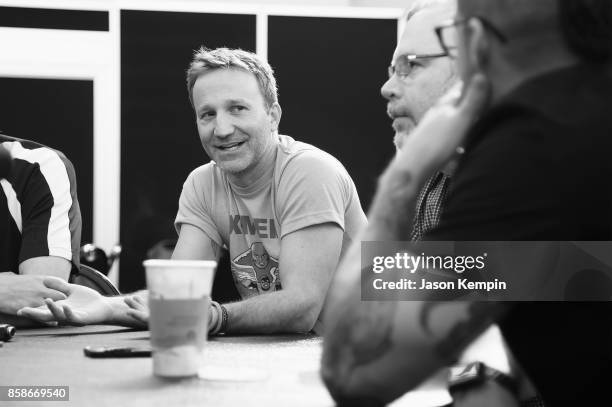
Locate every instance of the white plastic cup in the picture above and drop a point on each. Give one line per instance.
(179, 303)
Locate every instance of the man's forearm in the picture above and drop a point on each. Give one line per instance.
(17, 291)
(358, 333)
(46, 266)
(391, 215)
(119, 309)
(279, 312)
(358, 337)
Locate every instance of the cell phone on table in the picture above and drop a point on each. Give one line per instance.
(116, 352)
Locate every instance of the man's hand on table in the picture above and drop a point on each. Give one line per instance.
(139, 311)
(18, 291)
(80, 306)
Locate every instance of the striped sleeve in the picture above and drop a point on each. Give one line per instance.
(45, 194)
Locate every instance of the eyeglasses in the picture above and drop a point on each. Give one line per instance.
(403, 65)
(447, 33)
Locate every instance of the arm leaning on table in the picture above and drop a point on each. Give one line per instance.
(296, 307)
(84, 306)
(293, 309)
(28, 289)
(44, 227)
(376, 351)
(309, 257)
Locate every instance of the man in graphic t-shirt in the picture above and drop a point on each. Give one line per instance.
(284, 209)
(253, 267)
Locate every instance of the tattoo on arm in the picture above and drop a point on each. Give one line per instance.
(370, 330)
(366, 328)
(479, 315)
(362, 337)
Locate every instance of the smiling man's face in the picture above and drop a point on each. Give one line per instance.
(411, 96)
(234, 124)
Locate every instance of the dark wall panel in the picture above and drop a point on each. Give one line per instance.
(59, 114)
(53, 18)
(329, 73)
(159, 140)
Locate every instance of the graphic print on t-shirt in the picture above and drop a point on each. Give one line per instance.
(244, 225)
(255, 271)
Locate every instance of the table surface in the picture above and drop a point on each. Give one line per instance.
(250, 371)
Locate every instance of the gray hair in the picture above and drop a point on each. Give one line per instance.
(205, 60)
(420, 5)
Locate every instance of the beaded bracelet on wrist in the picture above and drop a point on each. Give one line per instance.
(217, 322)
(224, 319)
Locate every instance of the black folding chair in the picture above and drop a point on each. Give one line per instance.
(92, 278)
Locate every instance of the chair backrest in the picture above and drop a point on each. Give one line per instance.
(92, 278)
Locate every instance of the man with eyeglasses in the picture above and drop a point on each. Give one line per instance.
(419, 74)
(534, 119)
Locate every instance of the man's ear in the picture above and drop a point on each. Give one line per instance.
(275, 116)
(478, 47)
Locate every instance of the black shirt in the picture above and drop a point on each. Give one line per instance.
(538, 167)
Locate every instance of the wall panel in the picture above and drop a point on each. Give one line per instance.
(329, 73)
(159, 140)
(59, 114)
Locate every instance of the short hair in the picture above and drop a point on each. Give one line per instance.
(420, 5)
(206, 59)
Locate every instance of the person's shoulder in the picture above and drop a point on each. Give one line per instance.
(28, 149)
(204, 173)
(297, 155)
(515, 122)
(27, 144)
(38, 154)
(573, 96)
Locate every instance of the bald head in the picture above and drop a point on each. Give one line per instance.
(531, 42)
(515, 17)
(545, 32)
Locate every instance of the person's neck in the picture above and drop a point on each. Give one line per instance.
(507, 79)
(250, 175)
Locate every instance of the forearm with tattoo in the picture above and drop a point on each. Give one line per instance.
(365, 332)
(360, 332)
(449, 341)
